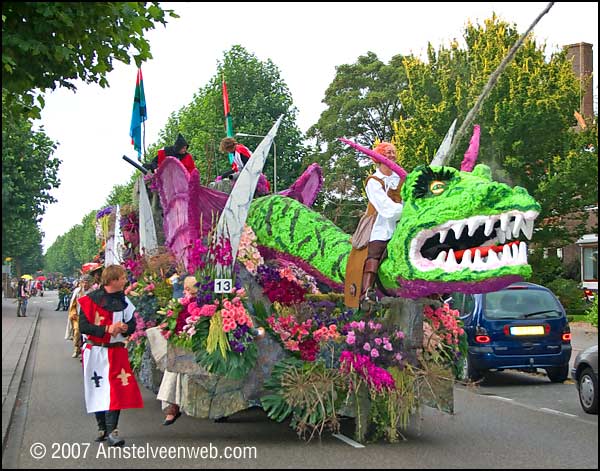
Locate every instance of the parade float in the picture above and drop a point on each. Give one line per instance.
(271, 321)
(268, 325)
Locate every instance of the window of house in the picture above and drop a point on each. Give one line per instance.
(590, 263)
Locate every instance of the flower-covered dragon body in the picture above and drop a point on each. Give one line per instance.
(457, 232)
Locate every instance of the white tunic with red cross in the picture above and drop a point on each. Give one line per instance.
(108, 380)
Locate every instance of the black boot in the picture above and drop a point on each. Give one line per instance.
(368, 296)
(101, 421)
(112, 421)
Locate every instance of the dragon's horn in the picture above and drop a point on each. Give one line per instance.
(394, 167)
(442, 154)
(472, 152)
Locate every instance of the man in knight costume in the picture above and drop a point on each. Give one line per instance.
(107, 318)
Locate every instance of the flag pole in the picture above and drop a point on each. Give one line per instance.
(228, 120)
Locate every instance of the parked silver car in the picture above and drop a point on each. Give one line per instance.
(585, 374)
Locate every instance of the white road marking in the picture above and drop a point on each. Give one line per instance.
(500, 398)
(347, 440)
(557, 412)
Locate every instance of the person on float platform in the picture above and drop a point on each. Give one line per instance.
(179, 150)
(241, 155)
(383, 193)
(107, 318)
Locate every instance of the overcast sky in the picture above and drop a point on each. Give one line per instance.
(306, 41)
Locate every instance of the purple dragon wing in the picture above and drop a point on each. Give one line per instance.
(180, 222)
(307, 187)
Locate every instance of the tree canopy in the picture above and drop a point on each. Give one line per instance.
(50, 44)
(257, 96)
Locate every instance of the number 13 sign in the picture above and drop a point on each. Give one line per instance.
(223, 285)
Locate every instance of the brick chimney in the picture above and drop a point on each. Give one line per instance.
(582, 56)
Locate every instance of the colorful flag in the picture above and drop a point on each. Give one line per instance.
(138, 115)
(228, 120)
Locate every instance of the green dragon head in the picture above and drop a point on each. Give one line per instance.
(458, 232)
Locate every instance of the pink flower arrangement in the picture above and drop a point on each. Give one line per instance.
(445, 323)
(197, 256)
(221, 251)
(371, 339)
(377, 378)
(248, 253)
(234, 314)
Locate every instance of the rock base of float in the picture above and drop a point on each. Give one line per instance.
(209, 396)
(437, 389)
(149, 375)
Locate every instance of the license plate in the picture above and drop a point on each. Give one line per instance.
(527, 330)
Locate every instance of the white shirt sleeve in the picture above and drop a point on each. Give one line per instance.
(385, 207)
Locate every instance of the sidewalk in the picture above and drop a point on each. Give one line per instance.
(17, 336)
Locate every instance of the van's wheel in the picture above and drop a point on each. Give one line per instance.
(470, 373)
(587, 385)
(558, 374)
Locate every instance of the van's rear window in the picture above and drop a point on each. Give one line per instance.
(517, 304)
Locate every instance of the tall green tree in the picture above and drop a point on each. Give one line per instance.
(526, 122)
(363, 103)
(258, 96)
(50, 44)
(29, 172)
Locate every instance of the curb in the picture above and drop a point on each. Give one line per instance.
(8, 406)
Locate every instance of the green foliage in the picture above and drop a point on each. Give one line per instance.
(592, 312)
(362, 104)
(391, 410)
(234, 366)
(568, 293)
(545, 269)
(29, 173)
(74, 248)
(258, 96)
(50, 44)
(527, 121)
(309, 392)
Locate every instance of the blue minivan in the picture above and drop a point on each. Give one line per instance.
(523, 327)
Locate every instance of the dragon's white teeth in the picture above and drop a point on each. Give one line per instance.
(515, 251)
(473, 225)
(443, 234)
(492, 257)
(522, 257)
(458, 229)
(504, 221)
(501, 236)
(489, 226)
(508, 232)
(506, 255)
(477, 260)
(517, 225)
(441, 258)
(466, 259)
(451, 260)
(527, 228)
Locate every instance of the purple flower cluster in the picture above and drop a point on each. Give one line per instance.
(376, 377)
(239, 338)
(324, 314)
(386, 348)
(104, 212)
(268, 273)
(206, 291)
